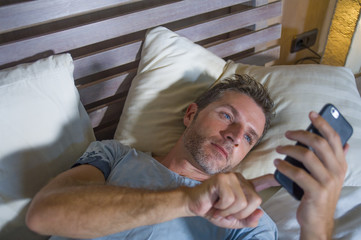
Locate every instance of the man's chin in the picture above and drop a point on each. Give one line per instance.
(216, 163)
(211, 170)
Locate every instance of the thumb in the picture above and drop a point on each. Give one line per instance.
(264, 182)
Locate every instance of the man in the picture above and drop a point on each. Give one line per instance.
(191, 192)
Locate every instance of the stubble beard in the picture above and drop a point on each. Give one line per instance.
(195, 145)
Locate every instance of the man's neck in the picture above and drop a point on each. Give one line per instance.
(177, 161)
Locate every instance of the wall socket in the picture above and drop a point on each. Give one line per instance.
(306, 39)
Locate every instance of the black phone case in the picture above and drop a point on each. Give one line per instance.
(341, 126)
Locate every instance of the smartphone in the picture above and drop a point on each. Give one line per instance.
(334, 117)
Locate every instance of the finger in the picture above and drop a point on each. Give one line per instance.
(308, 158)
(252, 199)
(318, 144)
(327, 132)
(264, 182)
(246, 199)
(298, 175)
(250, 221)
(229, 192)
(253, 204)
(243, 209)
(239, 204)
(236, 223)
(226, 197)
(253, 219)
(337, 164)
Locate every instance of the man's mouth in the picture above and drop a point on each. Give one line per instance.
(221, 150)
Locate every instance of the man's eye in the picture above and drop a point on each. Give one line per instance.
(248, 139)
(227, 116)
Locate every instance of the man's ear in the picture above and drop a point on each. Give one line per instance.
(190, 113)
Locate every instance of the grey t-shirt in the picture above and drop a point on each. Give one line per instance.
(125, 166)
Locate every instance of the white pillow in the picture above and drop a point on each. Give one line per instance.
(44, 129)
(172, 72)
(296, 90)
(347, 214)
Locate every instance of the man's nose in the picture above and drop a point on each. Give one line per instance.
(234, 133)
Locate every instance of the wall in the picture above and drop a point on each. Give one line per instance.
(301, 16)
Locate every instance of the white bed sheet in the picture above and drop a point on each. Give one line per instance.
(282, 208)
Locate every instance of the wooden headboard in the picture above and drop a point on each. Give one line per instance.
(105, 37)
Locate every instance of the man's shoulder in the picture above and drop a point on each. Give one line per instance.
(110, 144)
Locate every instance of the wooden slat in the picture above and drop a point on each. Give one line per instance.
(261, 58)
(106, 60)
(108, 113)
(227, 23)
(66, 40)
(237, 45)
(128, 53)
(106, 132)
(106, 89)
(35, 12)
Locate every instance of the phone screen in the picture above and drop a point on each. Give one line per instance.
(334, 117)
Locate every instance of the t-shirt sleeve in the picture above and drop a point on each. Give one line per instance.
(103, 155)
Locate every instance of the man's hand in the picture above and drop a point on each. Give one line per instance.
(229, 200)
(322, 186)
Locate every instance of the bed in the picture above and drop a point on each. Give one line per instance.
(72, 72)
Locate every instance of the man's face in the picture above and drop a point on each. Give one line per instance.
(221, 135)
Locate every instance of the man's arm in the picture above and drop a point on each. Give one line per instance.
(77, 203)
(322, 187)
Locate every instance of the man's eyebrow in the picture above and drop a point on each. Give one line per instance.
(233, 110)
(254, 134)
(236, 113)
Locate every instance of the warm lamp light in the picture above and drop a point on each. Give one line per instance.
(344, 35)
